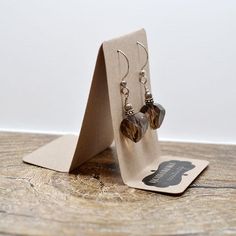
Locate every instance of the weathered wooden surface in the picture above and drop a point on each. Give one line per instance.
(94, 201)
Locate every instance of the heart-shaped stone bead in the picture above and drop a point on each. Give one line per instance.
(155, 114)
(135, 126)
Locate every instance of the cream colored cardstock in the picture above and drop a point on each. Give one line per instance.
(103, 115)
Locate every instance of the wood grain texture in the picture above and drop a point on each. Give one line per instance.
(93, 200)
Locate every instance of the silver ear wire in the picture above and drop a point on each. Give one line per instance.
(127, 60)
(145, 49)
(143, 77)
(124, 90)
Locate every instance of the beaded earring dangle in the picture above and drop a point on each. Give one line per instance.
(154, 111)
(134, 125)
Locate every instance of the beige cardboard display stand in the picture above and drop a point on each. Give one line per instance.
(141, 165)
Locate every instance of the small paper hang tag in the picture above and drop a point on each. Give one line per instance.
(169, 175)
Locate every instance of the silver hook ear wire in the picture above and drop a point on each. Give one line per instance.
(127, 60)
(147, 56)
(128, 108)
(143, 78)
(142, 73)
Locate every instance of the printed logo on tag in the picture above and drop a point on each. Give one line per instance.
(169, 173)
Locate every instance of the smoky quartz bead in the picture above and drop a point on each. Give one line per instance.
(134, 126)
(155, 114)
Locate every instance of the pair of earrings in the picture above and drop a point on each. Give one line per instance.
(135, 125)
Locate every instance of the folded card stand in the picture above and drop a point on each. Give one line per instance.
(141, 165)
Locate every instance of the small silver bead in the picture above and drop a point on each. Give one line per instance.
(128, 107)
(142, 73)
(148, 95)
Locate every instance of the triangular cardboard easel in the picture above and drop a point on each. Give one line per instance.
(69, 151)
(140, 162)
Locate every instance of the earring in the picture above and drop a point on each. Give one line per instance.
(134, 125)
(154, 111)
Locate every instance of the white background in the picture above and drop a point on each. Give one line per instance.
(48, 51)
